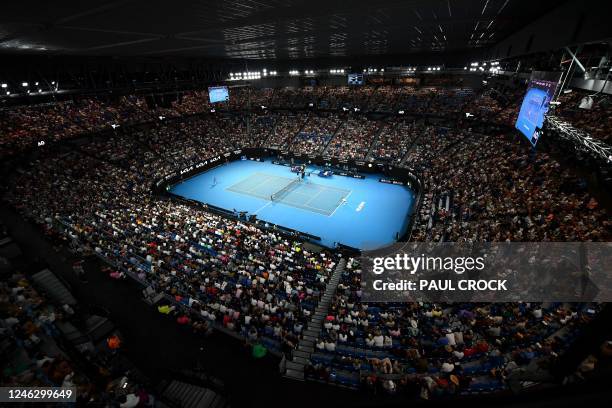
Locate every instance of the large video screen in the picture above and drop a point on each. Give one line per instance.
(534, 108)
(218, 94)
(355, 79)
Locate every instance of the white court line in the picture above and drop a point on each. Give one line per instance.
(338, 206)
(262, 207)
(313, 197)
(244, 190)
(332, 188)
(264, 181)
(252, 191)
(304, 207)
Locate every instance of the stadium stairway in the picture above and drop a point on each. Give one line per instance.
(374, 142)
(326, 147)
(409, 149)
(301, 356)
(54, 287)
(292, 138)
(184, 395)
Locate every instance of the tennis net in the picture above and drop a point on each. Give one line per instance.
(283, 191)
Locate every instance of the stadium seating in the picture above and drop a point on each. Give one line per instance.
(39, 317)
(262, 285)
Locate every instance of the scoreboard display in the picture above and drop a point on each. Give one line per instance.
(540, 92)
(218, 94)
(355, 79)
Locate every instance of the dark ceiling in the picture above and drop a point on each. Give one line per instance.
(260, 29)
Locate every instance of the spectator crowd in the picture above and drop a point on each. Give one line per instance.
(263, 284)
(33, 349)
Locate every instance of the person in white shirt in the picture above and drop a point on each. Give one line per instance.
(388, 342)
(330, 346)
(369, 341)
(379, 340)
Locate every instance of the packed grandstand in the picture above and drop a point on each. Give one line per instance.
(92, 186)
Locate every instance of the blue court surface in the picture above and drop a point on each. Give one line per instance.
(305, 194)
(362, 213)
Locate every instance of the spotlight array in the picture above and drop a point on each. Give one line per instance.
(475, 66)
(39, 88)
(245, 75)
(251, 75)
(494, 68)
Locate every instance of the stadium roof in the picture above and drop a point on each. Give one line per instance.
(260, 29)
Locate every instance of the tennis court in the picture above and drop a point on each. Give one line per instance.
(362, 213)
(303, 194)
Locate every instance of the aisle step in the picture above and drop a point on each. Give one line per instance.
(295, 375)
(300, 353)
(295, 366)
(301, 356)
(307, 348)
